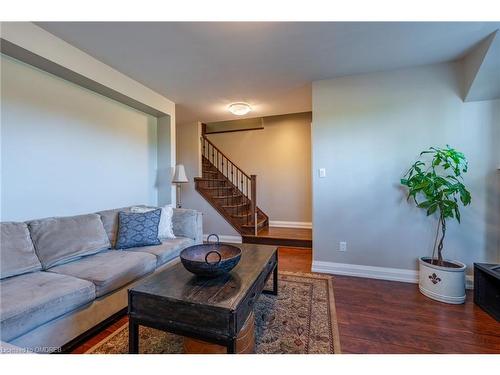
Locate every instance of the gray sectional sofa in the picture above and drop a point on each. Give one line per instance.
(62, 276)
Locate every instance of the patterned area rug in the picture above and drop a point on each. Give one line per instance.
(301, 319)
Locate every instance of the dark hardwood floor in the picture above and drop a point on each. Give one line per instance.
(100, 336)
(377, 316)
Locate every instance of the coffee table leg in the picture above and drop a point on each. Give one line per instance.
(231, 346)
(274, 291)
(275, 280)
(133, 337)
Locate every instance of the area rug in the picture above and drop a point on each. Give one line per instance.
(300, 320)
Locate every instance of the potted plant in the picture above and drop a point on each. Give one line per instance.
(435, 183)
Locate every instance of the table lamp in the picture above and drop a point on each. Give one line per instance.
(178, 179)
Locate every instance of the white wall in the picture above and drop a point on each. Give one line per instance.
(66, 150)
(164, 161)
(367, 130)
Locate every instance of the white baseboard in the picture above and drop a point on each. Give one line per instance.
(225, 238)
(371, 272)
(290, 224)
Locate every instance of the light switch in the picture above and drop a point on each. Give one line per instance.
(322, 173)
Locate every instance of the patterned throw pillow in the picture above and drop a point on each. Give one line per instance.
(138, 229)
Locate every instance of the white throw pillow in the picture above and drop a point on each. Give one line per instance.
(165, 228)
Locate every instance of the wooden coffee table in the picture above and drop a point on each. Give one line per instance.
(212, 310)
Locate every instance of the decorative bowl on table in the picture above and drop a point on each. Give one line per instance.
(211, 259)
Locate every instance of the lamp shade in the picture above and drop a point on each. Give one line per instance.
(179, 174)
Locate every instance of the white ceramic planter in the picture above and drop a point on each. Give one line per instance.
(444, 284)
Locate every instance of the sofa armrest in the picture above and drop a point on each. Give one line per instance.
(188, 223)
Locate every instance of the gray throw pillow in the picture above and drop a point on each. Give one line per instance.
(138, 229)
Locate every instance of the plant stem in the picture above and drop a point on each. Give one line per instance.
(436, 240)
(440, 246)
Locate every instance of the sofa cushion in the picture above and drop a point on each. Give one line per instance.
(188, 223)
(138, 229)
(60, 240)
(109, 270)
(109, 219)
(168, 250)
(30, 300)
(17, 254)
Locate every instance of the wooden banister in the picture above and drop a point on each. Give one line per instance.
(203, 138)
(253, 201)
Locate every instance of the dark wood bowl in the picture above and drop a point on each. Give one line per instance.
(210, 259)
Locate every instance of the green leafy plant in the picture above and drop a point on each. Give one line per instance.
(435, 183)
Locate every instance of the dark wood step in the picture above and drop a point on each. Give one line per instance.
(208, 168)
(201, 179)
(212, 183)
(287, 242)
(210, 172)
(234, 205)
(260, 222)
(242, 216)
(226, 196)
(293, 237)
(217, 187)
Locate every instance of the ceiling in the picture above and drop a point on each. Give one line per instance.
(484, 61)
(205, 66)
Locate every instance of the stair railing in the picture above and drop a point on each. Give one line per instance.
(245, 184)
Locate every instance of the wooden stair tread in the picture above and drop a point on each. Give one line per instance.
(218, 187)
(234, 205)
(296, 237)
(259, 223)
(209, 179)
(242, 215)
(226, 196)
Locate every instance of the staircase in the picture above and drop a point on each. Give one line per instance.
(231, 191)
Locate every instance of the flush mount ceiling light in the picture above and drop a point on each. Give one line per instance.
(239, 109)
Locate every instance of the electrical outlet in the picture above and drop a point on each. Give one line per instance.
(342, 246)
(322, 173)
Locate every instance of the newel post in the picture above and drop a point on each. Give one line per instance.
(254, 201)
